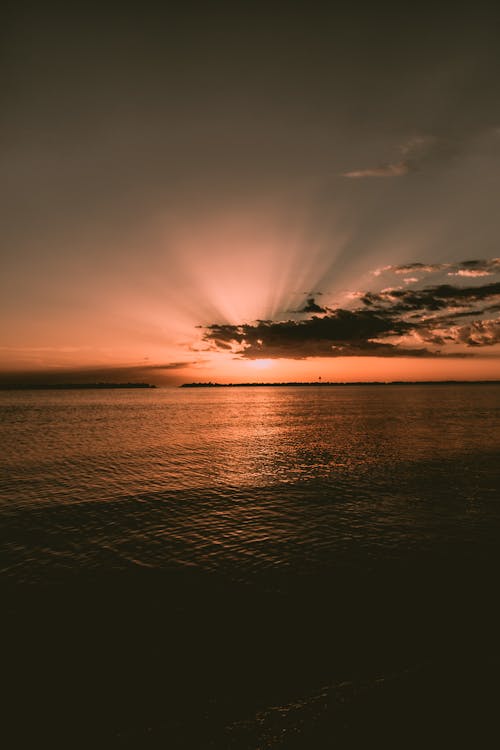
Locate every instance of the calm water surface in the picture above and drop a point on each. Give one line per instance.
(233, 569)
(243, 479)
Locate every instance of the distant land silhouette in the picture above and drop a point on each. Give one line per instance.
(70, 386)
(323, 383)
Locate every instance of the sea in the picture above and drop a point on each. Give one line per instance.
(250, 568)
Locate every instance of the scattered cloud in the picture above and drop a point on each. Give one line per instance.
(469, 272)
(467, 268)
(409, 268)
(481, 333)
(169, 366)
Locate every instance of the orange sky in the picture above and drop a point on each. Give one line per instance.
(185, 175)
(345, 369)
(226, 370)
(149, 310)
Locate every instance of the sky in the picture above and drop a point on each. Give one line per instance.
(249, 191)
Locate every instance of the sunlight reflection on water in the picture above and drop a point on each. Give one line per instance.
(247, 479)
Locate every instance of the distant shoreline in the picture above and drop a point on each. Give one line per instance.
(71, 386)
(286, 384)
(322, 384)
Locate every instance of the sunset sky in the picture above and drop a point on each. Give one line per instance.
(249, 191)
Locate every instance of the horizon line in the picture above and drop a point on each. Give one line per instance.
(101, 385)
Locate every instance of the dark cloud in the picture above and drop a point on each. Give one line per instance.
(440, 297)
(393, 322)
(481, 333)
(476, 268)
(478, 333)
(311, 306)
(410, 268)
(339, 333)
(151, 373)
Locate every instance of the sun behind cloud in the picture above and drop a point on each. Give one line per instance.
(261, 364)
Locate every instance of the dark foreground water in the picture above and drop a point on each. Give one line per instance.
(250, 568)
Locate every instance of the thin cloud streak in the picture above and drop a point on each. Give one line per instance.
(387, 170)
(467, 268)
(415, 152)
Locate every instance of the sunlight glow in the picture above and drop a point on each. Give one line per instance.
(260, 364)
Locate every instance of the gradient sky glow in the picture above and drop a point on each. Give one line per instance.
(168, 172)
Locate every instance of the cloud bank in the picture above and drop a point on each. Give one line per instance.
(435, 321)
